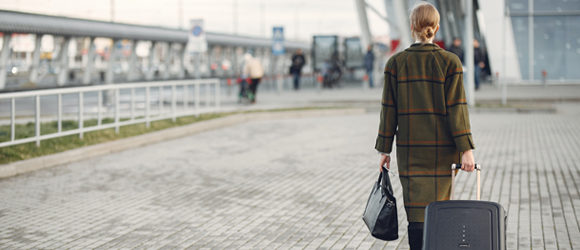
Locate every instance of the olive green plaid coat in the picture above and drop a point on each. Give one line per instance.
(424, 106)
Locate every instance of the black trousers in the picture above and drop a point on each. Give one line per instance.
(415, 235)
(296, 76)
(243, 89)
(254, 87)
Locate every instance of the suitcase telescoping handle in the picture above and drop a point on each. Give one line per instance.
(458, 166)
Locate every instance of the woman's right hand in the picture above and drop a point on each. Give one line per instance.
(385, 159)
(467, 161)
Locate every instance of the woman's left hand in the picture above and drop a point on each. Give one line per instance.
(385, 160)
(467, 161)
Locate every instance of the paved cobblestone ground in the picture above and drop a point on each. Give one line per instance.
(299, 183)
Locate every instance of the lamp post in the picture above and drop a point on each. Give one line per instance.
(469, 64)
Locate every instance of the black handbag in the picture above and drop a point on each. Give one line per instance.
(380, 214)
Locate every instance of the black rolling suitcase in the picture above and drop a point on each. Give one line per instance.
(464, 224)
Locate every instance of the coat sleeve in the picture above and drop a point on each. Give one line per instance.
(456, 105)
(388, 122)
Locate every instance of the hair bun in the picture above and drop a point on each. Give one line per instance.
(429, 32)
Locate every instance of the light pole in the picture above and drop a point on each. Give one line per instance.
(235, 16)
(180, 13)
(112, 9)
(469, 64)
(365, 37)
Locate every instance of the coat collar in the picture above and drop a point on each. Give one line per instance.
(423, 47)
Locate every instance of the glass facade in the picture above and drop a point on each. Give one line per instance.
(518, 5)
(556, 5)
(520, 28)
(555, 25)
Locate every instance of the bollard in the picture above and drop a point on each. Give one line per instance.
(365, 81)
(229, 81)
(503, 90)
(280, 83)
(544, 76)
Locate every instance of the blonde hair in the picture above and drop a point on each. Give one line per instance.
(424, 19)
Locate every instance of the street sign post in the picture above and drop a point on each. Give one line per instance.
(197, 40)
(197, 43)
(278, 41)
(278, 50)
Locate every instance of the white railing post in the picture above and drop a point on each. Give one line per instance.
(217, 95)
(37, 121)
(81, 115)
(117, 110)
(59, 113)
(173, 102)
(132, 103)
(196, 101)
(99, 106)
(161, 101)
(12, 119)
(185, 97)
(147, 106)
(207, 95)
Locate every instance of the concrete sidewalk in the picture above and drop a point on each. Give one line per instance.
(293, 183)
(526, 93)
(287, 184)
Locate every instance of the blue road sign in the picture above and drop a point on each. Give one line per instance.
(278, 41)
(197, 30)
(197, 41)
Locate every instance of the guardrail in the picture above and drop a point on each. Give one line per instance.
(111, 99)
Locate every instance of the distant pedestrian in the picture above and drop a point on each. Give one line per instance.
(326, 73)
(298, 61)
(456, 49)
(331, 72)
(334, 71)
(478, 62)
(370, 64)
(253, 69)
(424, 107)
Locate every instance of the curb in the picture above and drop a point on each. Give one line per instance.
(42, 162)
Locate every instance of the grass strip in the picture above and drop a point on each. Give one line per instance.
(60, 144)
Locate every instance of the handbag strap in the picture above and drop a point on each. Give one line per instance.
(385, 181)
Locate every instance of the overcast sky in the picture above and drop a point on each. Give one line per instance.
(301, 18)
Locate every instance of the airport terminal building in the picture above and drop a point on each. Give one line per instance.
(529, 40)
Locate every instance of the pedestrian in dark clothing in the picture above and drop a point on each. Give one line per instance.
(298, 62)
(478, 62)
(369, 64)
(331, 71)
(424, 107)
(456, 49)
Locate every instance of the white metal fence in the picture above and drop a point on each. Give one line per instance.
(125, 104)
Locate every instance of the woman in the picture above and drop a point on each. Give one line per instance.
(423, 97)
(253, 69)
